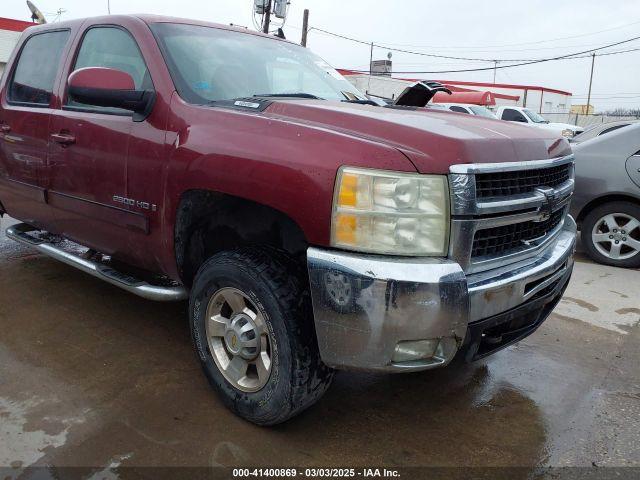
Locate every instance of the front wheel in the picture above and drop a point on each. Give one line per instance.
(253, 331)
(610, 234)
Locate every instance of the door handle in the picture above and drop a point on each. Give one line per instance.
(4, 128)
(63, 138)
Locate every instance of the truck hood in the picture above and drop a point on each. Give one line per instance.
(559, 126)
(432, 139)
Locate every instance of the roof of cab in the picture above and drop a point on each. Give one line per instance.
(151, 19)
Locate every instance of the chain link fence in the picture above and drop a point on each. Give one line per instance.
(586, 121)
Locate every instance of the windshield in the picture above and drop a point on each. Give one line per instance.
(482, 111)
(535, 118)
(210, 64)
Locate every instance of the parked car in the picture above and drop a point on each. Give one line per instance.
(309, 229)
(607, 197)
(601, 129)
(531, 118)
(469, 109)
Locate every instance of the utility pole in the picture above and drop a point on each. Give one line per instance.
(370, 68)
(495, 69)
(593, 61)
(267, 17)
(109, 6)
(305, 27)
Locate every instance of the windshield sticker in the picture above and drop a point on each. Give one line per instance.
(202, 86)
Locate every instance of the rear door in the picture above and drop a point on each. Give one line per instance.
(27, 101)
(89, 156)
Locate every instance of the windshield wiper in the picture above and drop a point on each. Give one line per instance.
(361, 102)
(291, 95)
(352, 98)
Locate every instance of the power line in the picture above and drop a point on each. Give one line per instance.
(360, 67)
(475, 47)
(571, 56)
(609, 93)
(448, 57)
(606, 98)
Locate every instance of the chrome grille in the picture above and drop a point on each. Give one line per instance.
(504, 213)
(500, 240)
(500, 184)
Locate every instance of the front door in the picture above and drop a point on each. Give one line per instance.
(88, 156)
(25, 113)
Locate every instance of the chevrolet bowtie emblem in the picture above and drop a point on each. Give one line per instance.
(548, 203)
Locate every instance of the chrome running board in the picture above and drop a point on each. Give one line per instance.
(20, 233)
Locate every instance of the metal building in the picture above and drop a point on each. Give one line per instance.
(10, 31)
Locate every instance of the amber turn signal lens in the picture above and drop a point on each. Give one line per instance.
(346, 226)
(348, 191)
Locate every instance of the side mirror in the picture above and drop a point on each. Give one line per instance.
(108, 87)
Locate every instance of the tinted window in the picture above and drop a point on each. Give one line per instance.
(37, 67)
(512, 115)
(611, 129)
(455, 108)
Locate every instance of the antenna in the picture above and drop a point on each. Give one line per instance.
(59, 13)
(36, 15)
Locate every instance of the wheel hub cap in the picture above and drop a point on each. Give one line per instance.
(240, 337)
(239, 340)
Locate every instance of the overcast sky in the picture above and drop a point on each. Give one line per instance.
(497, 29)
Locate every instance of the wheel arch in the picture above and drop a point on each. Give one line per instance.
(597, 202)
(208, 222)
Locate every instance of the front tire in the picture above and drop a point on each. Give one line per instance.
(610, 234)
(252, 329)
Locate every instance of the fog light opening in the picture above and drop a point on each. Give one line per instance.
(412, 350)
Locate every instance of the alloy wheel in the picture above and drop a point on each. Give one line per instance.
(239, 339)
(617, 236)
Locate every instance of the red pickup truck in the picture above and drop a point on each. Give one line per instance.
(309, 229)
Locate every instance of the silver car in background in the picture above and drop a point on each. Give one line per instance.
(601, 129)
(606, 202)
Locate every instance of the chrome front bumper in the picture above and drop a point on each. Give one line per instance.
(364, 305)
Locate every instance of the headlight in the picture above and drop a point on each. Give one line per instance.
(392, 213)
(568, 133)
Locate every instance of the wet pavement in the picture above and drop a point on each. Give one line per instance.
(91, 376)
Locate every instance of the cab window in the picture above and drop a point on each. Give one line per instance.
(112, 47)
(35, 72)
(455, 108)
(512, 115)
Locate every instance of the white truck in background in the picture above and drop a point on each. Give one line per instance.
(529, 117)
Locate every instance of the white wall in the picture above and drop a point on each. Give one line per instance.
(551, 102)
(386, 87)
(8, 40)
